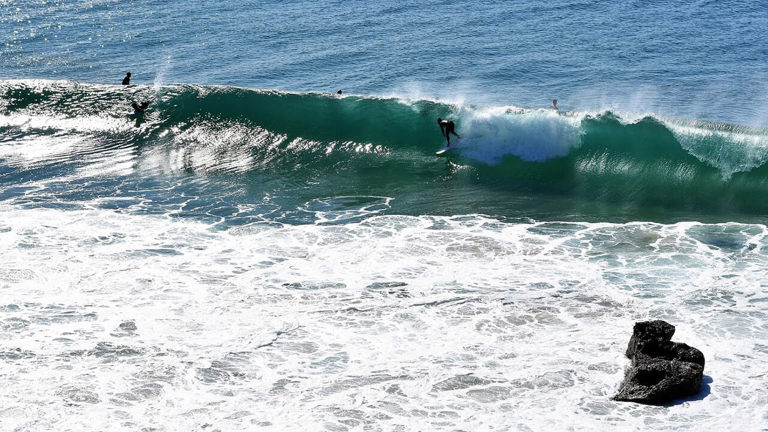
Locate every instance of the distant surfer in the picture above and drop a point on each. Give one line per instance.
(554, 105)
(339, 92)
(139, 110)
(447, 128)
(127, 79)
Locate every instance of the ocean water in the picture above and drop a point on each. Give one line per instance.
(260, 253)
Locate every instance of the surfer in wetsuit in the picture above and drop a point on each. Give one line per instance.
(447, 128)
(127, 79)
(140, 109)
(554, 105)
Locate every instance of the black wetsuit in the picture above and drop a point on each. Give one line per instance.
(139, 109)
(447, 127)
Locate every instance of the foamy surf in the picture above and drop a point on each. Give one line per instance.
(442, 318)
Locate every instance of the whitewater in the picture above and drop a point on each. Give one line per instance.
(258, 252)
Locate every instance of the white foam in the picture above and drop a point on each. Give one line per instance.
(731, 149)
(392, 322)
(532, 135)
(56, 123)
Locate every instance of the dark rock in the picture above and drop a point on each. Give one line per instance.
(657, 382)
(661, 370)
(644, 331)
(129, 326)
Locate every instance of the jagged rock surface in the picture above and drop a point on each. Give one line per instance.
(661, 370)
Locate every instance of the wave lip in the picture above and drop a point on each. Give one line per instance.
(730, 148)
(629, 159)
(532, 135)
(490, 134)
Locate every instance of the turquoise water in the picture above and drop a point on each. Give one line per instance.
(260, 253)
(278, 152)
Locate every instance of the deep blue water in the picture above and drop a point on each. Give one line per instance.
(695, 60)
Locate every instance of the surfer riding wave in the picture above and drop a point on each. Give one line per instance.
(447, 128)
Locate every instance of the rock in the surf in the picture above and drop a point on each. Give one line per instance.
(661, 370)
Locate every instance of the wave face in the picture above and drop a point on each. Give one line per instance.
(289, 152)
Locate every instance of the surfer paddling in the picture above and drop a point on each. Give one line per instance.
(139, 110)
(447, 128)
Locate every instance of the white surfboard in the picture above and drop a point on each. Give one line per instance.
(441, 152)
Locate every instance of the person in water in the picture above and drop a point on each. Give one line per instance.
(447, 128)
(140, 109)
(554, 105)
(339, 92)
(127, 79)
